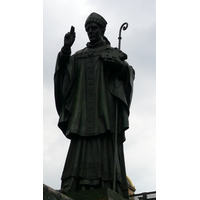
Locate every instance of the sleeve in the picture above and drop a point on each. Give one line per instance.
(121, 84)
(63, 77)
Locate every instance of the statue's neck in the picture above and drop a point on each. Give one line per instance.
(104, 41)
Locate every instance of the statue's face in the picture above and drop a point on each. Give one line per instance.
(93, 32)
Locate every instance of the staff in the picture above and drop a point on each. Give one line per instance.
(124, 26)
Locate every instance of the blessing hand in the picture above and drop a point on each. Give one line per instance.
(70, 38)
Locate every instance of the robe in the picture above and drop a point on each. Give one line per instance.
(86, 92)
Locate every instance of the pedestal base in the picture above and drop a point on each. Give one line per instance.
(96, 194)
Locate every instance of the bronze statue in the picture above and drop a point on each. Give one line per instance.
(88, 85)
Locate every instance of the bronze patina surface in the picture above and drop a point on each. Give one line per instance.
(88, 86)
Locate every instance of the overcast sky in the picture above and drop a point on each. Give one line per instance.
(139, 42)
(28, 46)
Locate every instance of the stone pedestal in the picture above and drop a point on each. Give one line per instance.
(96, 194)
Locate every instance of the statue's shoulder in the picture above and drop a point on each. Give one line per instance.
(113, 52)
(81, 51)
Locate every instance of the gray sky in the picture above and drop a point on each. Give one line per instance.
(177, 92)
(139, 42)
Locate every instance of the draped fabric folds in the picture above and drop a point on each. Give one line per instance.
(86, 91)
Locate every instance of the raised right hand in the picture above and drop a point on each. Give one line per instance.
(70, 38)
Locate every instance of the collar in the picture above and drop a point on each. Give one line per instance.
(100, 43)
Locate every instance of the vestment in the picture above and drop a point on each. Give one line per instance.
(86, 90)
